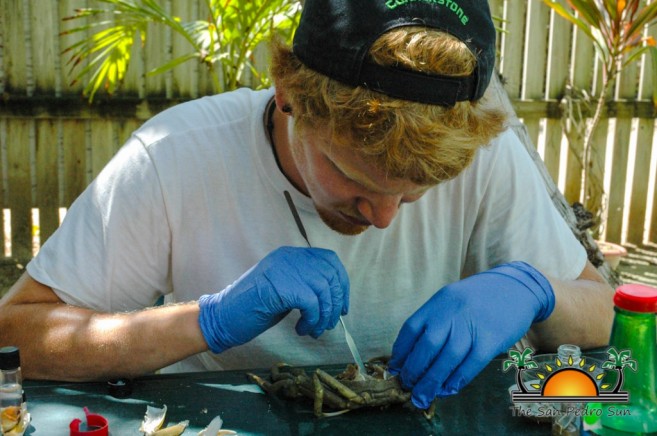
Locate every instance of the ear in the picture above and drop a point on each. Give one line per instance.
(282, 103)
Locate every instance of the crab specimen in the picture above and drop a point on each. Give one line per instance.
(347, 391)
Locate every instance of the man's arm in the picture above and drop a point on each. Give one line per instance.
(583, 313)
(64, 342)
(60, 341)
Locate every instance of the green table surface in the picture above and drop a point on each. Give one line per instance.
(483, 407)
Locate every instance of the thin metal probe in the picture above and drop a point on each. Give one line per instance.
(350, 340)
(296, 216)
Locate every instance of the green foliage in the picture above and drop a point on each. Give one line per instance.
(224, 42)
(616, 29)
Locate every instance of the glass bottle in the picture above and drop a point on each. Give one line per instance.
(11, 388)
(634, 329)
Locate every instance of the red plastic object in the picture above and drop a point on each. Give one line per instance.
(96, 425)
(636, 298)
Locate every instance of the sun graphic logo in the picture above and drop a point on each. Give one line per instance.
(570, 380)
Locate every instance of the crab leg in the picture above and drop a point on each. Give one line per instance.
(264, 384)
(350, 395)
(329, 398)
(319, 400)
(319, 395)
(273, 388)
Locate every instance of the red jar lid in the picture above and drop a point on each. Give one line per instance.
(636, 298)
(96, 425)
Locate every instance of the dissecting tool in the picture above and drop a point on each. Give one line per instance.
(350, 340)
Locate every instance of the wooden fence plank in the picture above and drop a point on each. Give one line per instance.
(652, 212)
(4, 181)
(627, 82)
(20, 193)
(185, 77)
(598, 153)
(647, 84)
(4, 165)
(135, 80)
(102, 145)
(535, 55)
(167, 42)
(560, 35)
(640, 182)
(45, 47)
(153, 58)
(14, 47)
(533, 128)
(580, 74)
(66, 8)
(3, 35)
(615, 187)
(626, 87)
(27, 47)
(512, 46)
(574, 169)
(73, 140)
(581, 60)
(47, 189)
(552, 153)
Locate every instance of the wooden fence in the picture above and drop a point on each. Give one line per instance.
(53, 143)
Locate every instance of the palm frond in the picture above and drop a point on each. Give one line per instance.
(226, 39)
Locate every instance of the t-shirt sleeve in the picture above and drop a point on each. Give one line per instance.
(112, 251)
(515, 216)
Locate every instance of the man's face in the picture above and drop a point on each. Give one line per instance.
(349, 193)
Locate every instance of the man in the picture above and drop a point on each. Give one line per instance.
(429, 224)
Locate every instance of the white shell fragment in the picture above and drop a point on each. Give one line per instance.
(154, 419)
(14, 420)
(214, 428)
(172, 430)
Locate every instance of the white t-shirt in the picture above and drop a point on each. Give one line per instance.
(195, 198)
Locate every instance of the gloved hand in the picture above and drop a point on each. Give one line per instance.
(466, 324)
(312, 280)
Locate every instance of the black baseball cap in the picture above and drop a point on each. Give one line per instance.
(334, 37)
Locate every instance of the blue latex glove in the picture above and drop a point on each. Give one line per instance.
(466, 324)
(312, 280)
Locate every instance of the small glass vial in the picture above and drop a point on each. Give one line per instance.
(568, 422)
(11, 389)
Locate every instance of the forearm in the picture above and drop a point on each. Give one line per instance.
(582, 315)
(64, 342)
(78, 344)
